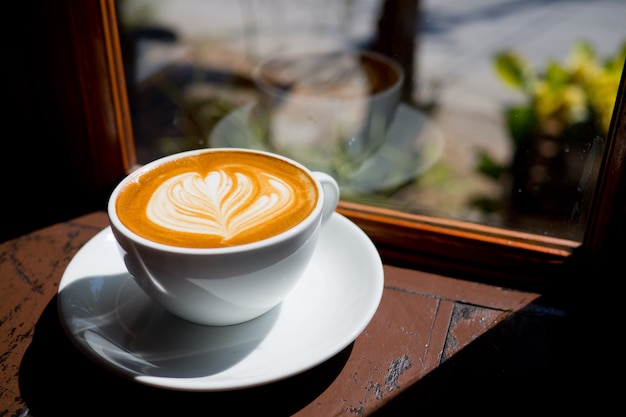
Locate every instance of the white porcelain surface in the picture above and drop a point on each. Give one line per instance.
(113, 322)
(227, 285)
(412, 145)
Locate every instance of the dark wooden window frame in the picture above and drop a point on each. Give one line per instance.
(99, 131)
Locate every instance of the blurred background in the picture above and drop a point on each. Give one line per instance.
(505, 106)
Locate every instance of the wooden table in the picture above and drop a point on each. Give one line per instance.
(435, 343)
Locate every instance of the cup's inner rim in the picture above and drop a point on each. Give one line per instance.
(264, 84)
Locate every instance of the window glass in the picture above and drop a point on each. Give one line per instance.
(501, 114)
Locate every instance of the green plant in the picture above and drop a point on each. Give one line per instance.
(583, 89)
(569, 99)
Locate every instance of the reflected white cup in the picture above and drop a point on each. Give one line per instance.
(210, 198)
(328, 110)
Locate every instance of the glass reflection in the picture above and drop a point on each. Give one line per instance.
(504, 104)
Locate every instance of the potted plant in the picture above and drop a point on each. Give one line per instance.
(557, 132)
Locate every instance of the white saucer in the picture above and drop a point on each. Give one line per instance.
(413, 144)
(113, 322)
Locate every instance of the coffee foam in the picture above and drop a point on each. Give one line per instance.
(217, 199)
(223, 203)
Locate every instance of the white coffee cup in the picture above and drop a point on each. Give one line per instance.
(195, 230)
(327, 110)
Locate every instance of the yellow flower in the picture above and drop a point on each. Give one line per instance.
(546, 104)
(574, 103)
(563, 104)
(602, 91)
(600, 82)
(582, 90)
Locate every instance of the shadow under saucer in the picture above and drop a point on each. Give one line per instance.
(55, 378)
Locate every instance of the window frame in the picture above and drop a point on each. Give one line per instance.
(427, 243)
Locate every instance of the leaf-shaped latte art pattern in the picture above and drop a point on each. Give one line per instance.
(221, 203)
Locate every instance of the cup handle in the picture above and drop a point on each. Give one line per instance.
(330, 189)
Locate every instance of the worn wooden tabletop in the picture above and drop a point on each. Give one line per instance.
(434, 343)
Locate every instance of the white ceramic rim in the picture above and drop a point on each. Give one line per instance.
(315, 215)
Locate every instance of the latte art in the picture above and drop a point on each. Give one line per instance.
(222, 203)
(216, 198)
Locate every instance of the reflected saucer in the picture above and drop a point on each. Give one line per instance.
(114, 323)
(413, 144)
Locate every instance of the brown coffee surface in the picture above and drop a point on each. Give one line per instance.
(216, 199)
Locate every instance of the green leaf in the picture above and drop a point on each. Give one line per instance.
(489, 167)
(513, 70)
(486, 204)
(583, 50)
(521, 122)
(556, 76)
(616, 63)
